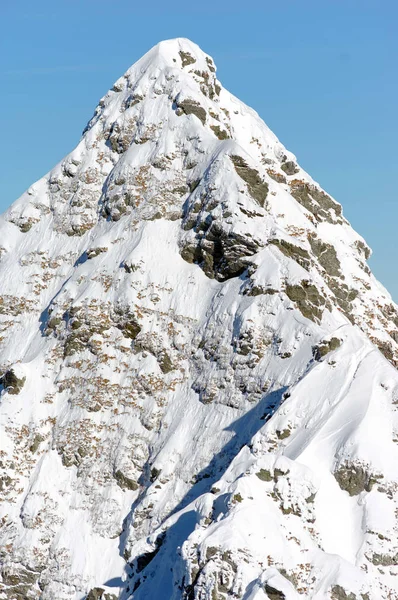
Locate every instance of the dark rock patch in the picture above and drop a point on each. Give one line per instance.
(98, 593)
(210, 64)
(95, 594)
(121, 138)
(297, 253)
(325, 347)
(273, 593)
(93, 252)
(258, 188)
(143, 560)
(354, 479)
(308, 299)
(363, 249)
(264, 475)
(125, 482)
(344, 295)
(278, 177)
(386, 349)
(222, 134)
(11, 383)
(326, 255)
(165, 363)
(339, 593)
(191, 107)
(289, 167)
(258, 290)
(315, 201)
(22, 583)
(186, 58)
(37, 440)
(385, 560)
(282, 434)
(390, 313)
(221, 255)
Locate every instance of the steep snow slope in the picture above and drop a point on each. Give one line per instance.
(194, 405)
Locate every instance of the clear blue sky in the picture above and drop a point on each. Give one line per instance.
(321, 73)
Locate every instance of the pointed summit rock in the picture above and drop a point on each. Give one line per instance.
(208, 397)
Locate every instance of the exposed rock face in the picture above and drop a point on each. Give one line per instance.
(354, 479)
(273, 593)
(193, 335)
(258, 188)
(289, 167)
(339, 593)
(11, 383)
(221, 254)
(325, 347)
(308, 299)
(316, 201)
(191, 107)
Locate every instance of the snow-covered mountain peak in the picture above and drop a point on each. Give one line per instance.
(194, 402)
(178, 53)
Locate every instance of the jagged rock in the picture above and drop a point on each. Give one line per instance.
(130, 330)
(326, 255)
(273, 593)
(37, 440)
(387, 350)
(289, 167)
(258, 188)
(93, 252)
(363, 248)
(315, 201)
(264, 475)
(192, 107)
(165, 363)
(11, 383)
(325, 347)
(309, 300)
(98, 593)
(221, 255)
(339, 593)
(282, 435)
(19, 583)
(258, 290)
(222, 134)
(354, 479)
(343, 294)
(95, 594)
(278, 177)
(125, 482)
(297, 253)
(186, 58)
(384, 560)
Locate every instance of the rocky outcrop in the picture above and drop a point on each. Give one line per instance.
(221, 254)
(191, 107)
(258, 188)
(355, 479)
(326, 346)
(308, 299)
(317, 202)
(11, 383)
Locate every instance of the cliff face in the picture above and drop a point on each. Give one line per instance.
(199, 394)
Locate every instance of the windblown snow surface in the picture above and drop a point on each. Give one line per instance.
(199, 386)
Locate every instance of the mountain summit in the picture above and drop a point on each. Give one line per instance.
(199, 393)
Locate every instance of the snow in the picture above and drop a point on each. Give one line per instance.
(173, 409)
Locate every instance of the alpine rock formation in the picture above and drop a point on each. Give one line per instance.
(198, 369)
